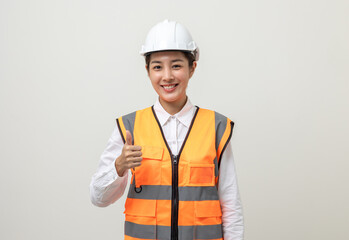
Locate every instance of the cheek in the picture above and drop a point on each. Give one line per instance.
(153, 76)
(155, 84)
(184, 77)
(184, 74)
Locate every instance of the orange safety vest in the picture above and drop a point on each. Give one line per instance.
(174, 197)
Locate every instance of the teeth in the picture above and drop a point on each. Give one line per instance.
(169, 87)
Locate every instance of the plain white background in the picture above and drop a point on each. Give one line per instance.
(278, 69)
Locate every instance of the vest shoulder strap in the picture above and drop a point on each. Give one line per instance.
(224, 130)
(126, 122)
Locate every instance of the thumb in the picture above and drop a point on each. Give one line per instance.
(128, 138)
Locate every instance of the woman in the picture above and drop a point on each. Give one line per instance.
(183, 183)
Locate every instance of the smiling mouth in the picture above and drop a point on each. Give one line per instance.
(169, 87)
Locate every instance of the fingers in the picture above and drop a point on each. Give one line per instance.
(132, 148)
(128, 138)
(131, 154)
(134, 162)
(133, 165)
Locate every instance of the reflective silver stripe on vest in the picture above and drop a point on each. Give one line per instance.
(129, 123)
(221, 125)
(164, 233)
(163, 192)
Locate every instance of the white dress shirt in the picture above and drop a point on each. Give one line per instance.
(106, 186)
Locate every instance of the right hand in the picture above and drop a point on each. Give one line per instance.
(131, 156)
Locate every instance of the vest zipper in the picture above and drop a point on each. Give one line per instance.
(174, 164)
(175, 200)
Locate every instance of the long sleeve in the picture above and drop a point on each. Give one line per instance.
(106, 186)
(228, 192)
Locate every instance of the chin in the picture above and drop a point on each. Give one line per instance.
(172, 99)
(168, 100)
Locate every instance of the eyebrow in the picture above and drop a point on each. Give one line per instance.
(174, 60)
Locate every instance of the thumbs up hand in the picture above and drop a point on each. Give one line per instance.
(131, 156)
(128, 138)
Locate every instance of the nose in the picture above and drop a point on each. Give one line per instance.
(168, 75)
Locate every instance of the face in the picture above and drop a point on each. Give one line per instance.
(169, 73)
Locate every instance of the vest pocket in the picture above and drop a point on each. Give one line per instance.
(201, 175)
(149, 173)
(208, 212)
(140, 216)
(140, 207)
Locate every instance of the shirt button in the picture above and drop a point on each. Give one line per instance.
(173, 117)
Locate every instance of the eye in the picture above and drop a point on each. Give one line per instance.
(156, 67)
(176, 66)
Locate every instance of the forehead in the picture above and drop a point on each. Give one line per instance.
(167, 55)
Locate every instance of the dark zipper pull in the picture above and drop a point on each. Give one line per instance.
(174, 159)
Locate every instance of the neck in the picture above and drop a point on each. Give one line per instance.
(173, 107)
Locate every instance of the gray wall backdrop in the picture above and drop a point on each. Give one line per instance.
(278, 69)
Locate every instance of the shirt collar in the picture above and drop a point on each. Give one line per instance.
(185, 115)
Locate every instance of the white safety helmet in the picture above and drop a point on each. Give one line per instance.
(169, 35)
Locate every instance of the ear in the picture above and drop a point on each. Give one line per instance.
(147, 68)
(192, 70)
